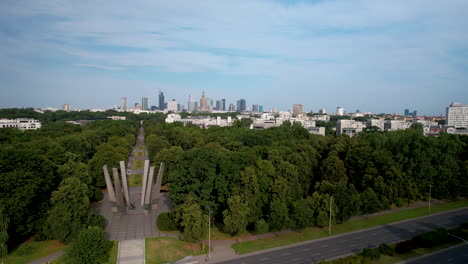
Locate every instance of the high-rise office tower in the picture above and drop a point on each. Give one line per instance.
(144, 103)
(255, 108)
(161, 101)
(457, 115)
(204, 103)
(223, 105)
(415, 113)
(407, 112)
(195, 107)
(241, 105)
(172, 105)
(191, 104)
(297, 109)
(124, 104)
(260, 108)
(232, 107)
(218, 105)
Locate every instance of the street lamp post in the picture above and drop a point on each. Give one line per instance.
(329, 225)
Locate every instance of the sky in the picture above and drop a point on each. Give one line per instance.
(377, 56)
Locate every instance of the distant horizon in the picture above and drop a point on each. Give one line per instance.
(373, 56)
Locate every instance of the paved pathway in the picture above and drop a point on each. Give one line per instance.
(47, 259)
(131, 252)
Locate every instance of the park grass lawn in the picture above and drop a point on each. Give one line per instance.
(315, 232)
(138, 164)
(135, 180)
(113, 253)
(39, 249)
(169, 249)
(139, 154)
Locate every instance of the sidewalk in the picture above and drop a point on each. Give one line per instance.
(131, 252)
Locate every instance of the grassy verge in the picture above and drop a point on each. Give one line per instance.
(135, 180)
(139, 154)
(31, 250)
(168, 249)
(314, 233)
(113, 253)
(138, 164)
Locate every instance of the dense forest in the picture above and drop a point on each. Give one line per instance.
(49, 177)
(285, 177)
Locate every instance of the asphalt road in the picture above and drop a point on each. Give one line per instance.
(354, 242)
(453, 255)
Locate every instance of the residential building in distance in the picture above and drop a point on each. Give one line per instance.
(200, 121)
(232, 107)
(393, 125)
(457, 115)
(379, 123)
(66, 107)
(322, 111)
(124, 104)
(144, 103)
(340, 111)
(297, 109)
(255, 108)
(20, 123)
(172, 105)
(162, 103)
(349, 127)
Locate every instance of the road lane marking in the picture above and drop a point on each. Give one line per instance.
(324, 245)
(316, 254)
(264, 258)
(284, 254)
(306, 249)
(294, 259)
(358, 237)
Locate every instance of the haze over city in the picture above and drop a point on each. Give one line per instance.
(378, 57)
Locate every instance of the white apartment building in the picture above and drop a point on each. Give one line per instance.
(20, 123)
(172, 106)
(325, 118)
(340, 111)
(457, 115)
(349, 127)
(376, 123)
(200, 121)
(393, 125)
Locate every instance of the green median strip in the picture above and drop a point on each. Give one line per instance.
(314, 233)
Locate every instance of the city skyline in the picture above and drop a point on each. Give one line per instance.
(381, 57)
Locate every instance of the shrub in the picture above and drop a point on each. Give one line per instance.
(433, 238)
(24, 250)
(406, 246)
(97, 220)
(370, 253)
(386, 249)
(91, 247)
(166, 222)
(399, 202)
(261, 227)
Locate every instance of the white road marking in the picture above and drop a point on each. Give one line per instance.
(324, 245)
(358, 237)
(284, 254)
(316, 254)
(264, 258)
(294, 259)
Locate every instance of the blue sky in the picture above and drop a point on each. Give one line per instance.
(378, 56)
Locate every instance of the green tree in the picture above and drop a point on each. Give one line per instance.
(191, 219)
(302, 215)
(279, 216)
(4, 221)
(91, 246)
(235, 217)
(370, 201)
(70, 211)
(333, 169)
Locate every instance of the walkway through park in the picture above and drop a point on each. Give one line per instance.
(133, 226)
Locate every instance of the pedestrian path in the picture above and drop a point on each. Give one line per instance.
(131, 252)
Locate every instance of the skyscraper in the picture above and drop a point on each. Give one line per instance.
(124, 104)
(260, 108)
(204, 103)
(161, 101)
(241, 105)
(255, 108)
(218, 105)
(232, 107)
(223, 105)
(191, 104)
(172, 105)
(297, 109)
(407, 113)
(144, 103)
